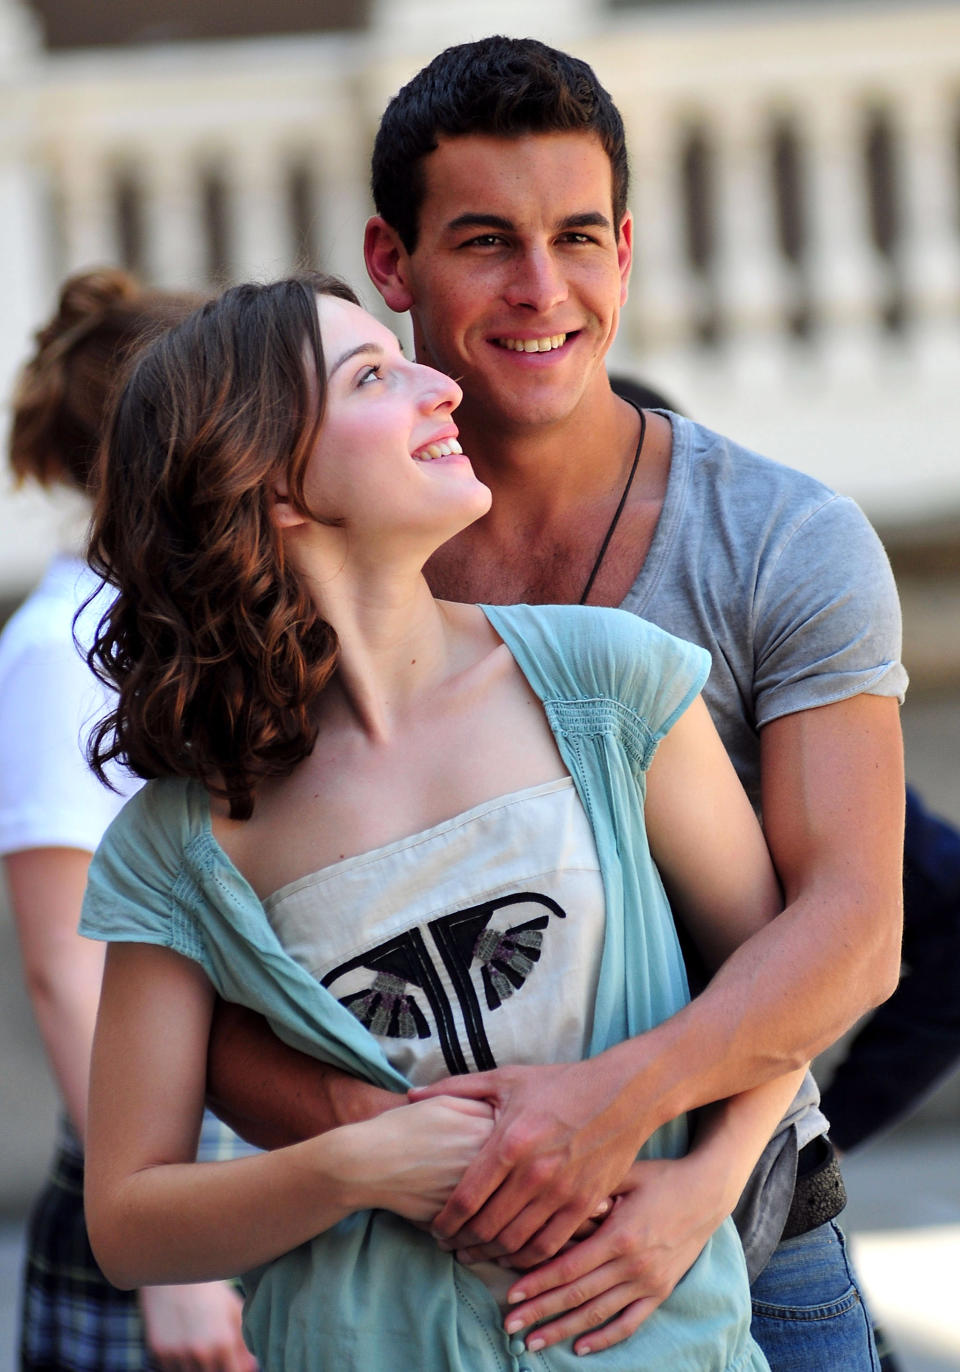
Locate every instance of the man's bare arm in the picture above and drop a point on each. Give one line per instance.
(273, 1095)
(833, 806)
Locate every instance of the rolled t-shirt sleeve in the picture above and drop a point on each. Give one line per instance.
(828, 623)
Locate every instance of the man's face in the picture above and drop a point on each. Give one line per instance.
(519, 273)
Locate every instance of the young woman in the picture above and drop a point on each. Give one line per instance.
(418, 836)
(53, 811)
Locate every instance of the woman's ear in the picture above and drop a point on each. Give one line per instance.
(283, 513)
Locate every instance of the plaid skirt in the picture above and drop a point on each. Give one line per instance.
(72, 1319)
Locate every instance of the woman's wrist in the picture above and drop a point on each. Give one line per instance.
(717, 1163)
(347, 1163)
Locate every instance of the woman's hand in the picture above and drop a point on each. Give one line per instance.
(195, 1328)
(409, 1160)
(662, 1216)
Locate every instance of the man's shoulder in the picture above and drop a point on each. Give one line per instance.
(751, 505)
(719, 462)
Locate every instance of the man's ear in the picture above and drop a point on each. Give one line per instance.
(625, 254)
(386, 260)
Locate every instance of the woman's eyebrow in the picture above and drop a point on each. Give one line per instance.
(353, 352)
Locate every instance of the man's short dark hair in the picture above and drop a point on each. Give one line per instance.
(504, 87)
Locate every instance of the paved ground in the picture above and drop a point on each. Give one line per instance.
(904, 1218)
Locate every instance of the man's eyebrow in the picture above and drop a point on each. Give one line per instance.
(473, 220)
(588, 219)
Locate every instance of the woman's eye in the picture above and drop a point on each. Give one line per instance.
(369, 374)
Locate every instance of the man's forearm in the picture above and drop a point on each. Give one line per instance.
(781, 998)
(273, 1095)
(833, 797)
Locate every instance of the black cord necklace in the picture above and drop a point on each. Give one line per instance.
(619, 510)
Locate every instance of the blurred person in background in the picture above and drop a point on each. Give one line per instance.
(53, 811)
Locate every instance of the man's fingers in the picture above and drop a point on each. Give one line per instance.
(522, 1201)
(506, 1241)
(452, 1226)
(531, 1247)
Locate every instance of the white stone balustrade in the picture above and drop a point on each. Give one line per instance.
(252, 114)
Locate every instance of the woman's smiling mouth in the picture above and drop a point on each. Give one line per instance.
(443, 447)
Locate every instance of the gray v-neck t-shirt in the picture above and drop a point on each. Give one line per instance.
(789, 589)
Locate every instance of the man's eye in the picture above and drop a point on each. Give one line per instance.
(369, 374)
(485, 240)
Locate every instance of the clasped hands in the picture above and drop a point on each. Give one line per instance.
(556, 1192)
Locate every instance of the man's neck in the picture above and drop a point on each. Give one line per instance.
(555, 491)
(545, 471)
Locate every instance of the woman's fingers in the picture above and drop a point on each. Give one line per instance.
(595, 1322)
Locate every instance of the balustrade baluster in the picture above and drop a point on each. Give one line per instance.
(172, 214)
(85, 181)
(931, 218)
(847, 276)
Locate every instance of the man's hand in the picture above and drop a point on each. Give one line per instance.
(662, 1216)
(195, 1328)
(565, 1137)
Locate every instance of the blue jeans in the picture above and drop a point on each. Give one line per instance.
(808, 1311)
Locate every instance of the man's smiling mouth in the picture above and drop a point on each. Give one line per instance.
(533, 345)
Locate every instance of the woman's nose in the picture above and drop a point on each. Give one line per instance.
(438, 391)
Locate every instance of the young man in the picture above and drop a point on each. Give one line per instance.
(500, 179)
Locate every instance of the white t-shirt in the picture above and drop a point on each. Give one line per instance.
(49, 699)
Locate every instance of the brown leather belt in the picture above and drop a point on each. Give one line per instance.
(819, 1194)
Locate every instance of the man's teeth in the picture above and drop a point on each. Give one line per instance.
(444, 448)
(533, 345)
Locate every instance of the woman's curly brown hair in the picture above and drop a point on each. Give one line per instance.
(61, 396)
(215, 647)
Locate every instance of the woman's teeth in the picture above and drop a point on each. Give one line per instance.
(444, 448)
(533, 345)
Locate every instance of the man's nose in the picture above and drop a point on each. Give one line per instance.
(537, 281)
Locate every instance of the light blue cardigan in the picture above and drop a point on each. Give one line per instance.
(374, 1293)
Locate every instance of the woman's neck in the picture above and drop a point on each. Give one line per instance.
(396, 643)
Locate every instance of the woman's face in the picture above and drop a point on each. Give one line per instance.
(387, 458)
